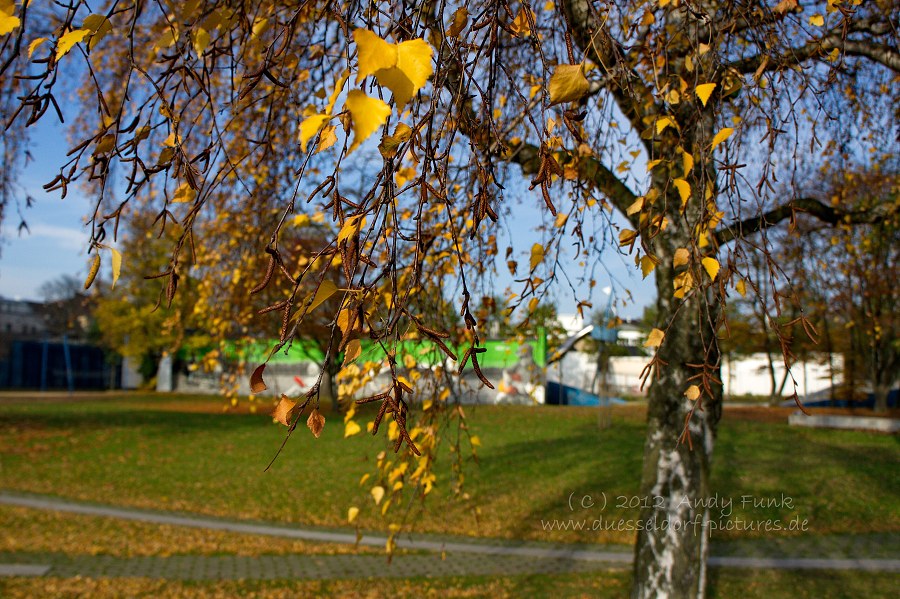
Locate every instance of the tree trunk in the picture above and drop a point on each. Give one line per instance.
(881, 397)
(671, 550)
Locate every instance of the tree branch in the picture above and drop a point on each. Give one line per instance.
(811, 206)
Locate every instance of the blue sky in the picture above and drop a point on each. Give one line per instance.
(58, 240)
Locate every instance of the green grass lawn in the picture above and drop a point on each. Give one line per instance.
(187, 454)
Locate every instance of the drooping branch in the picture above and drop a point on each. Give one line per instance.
(811, 206)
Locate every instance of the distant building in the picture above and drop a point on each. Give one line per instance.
(22, 319)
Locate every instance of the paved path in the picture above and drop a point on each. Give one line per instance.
(447, 556)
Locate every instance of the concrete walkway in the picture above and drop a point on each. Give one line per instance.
(446, 556)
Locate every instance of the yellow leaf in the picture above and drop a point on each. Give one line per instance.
(475, 441)
(692, 392)
(682, 256)
(366, 114)
(784, 6)
(327, 139)
(537, 255)
(684, 190)
(654, 163)
(635, 207)
(338, 86)
(34, 45)
(568, 84)
(561, 219)
(712, 267)
(409, 361)
(373, 53)
(283, 410)
(704, 91)
(647, 265)
(99, 27)
(721, 136)
(377, 494)
(325, 290)
(627, 236)
(655, 338)
(116, 265)
(351, 227)
(351, 428)
(665, 122)
(310, 127)
(817, 20)
(8, 22)
(354, 349)
(68, 41)
(741, 287)
(352, 513)
(184, 193)
(315, 422)
(411, 73)
(688, 163)
(201, 40)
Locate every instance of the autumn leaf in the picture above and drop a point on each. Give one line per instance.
(688, 162)
(403, 68)
(377, 494)
(568, 84)
(721, 136)
(283, 410)
(325, 290)
(352, 513)
(561, 219)
(785, 6)
(34, 45)
(703, 91)
(537, 255)
(351, 428)
(99, 26)
(648, 263)
(184, 193)
(692, 392)
(310, 127)
(635, 207)
(68, 41)
(655, 338)
(460, 19)
(712, 267)
(8, 21)
(354, 349)
(682, 257)
(741, 287)
(351, 227)
(366, 114)
(257, 385)
(663, 123)
(684, 190)
(315, 422)
(116, 265)
(817, 20)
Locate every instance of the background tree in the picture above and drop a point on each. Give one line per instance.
(469, 101)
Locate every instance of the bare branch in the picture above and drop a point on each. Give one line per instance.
(811, 206)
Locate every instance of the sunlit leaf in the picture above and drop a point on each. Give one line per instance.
(351, 227)
(366, 114)
(537, 255)
(354, 349)
(116, 265)
(817, 20)
(99, 26)
(338, 87)
(8, 22)
(684, 190)
(692, 392)
(785, 6)
(352, 513)
(184, 193)
(648, 263)
(373, 53)
(34, 45)
(682, 257)
(315, 422)
(704, 91)
(741, 287)
(568, 83)
(201, 40)
(688, 162)
(635, 206)
(411, 73)
(310, 127)
(721, 136)
(458, 23)
(68, 41)
(283, 410)
(663, 123)
(377, 494)
(561, 219)
(712, 267)
(351, 428)
(325, 290)
(655, 338)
